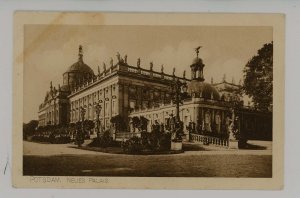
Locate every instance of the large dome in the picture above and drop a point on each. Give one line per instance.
(80, 67)
(202, 89)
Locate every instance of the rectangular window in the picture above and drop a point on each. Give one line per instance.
(106, 109)
(113, 107)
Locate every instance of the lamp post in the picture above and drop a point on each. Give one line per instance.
(53, 95)
(80, 133)
(82, 113)
(98, 110)
(179, 91)
(179, 94)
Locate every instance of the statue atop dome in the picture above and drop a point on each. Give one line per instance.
(80, 53)
(197, 50)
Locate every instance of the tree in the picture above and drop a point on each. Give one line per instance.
(144, 123)
(119, 122)
(30, 128)
(258, 78)
(136, 122)
(89, 125)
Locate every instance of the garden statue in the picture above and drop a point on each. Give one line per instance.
(234, 131)
(172, 123)
(236, 128)
(190, 127)
(231, 125)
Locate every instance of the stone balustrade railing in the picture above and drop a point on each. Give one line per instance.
(209, 140)
(129, 69)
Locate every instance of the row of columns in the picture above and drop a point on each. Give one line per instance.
(139, 96)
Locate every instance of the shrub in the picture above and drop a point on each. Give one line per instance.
(79, 138)
(103, 141)
(133, 145)
(242, 143)
(148, 142)
(165, 142)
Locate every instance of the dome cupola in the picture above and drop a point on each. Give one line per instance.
(204, 90)
(80, 66)
(197, 67)
(77, 72)
(197, 87)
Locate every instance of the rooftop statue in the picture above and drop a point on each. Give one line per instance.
(118, 56)
(224, 78)
(111, 62)
(99, 70)
(151, 66)
(162, 68)
(138, 63)
(125, 58)
(104, 67)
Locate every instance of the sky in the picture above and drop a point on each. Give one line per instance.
(50, 49)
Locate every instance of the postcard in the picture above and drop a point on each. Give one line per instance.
(148, 100)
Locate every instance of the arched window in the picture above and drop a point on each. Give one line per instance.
(207, 123)
(218, 122)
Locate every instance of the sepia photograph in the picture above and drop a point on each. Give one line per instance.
(107, 101)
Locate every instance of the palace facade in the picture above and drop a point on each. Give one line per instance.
(133, 91)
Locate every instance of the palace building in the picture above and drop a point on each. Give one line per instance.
(133, 91)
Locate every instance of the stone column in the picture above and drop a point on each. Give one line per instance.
(125, 102)
(139, 96)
